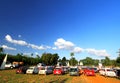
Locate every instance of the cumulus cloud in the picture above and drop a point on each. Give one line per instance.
(97, 52)
(63, 44)
(78, 50)
(37, 47)
(19, 42)
(8, 48)
(24, 43)
(54, 48)
(60, 44)
(66, 45)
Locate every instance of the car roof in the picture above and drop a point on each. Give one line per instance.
(73, 67)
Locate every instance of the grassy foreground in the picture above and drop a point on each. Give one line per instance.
(9, 76)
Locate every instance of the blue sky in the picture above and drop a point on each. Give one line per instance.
(89, 28)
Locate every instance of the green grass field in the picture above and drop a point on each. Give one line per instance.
(9, 76)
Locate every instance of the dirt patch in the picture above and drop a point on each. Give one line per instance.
(99, 79)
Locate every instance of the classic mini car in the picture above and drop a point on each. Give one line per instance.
(45, 70)
(32, 70)
(21, 70)
(89, 72)
(58, 71)
(74, 71)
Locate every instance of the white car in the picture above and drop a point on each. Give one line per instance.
(110, 72)
(102, 71)
(45, 70)
(32, 70)
(9, 65)
(107, 72)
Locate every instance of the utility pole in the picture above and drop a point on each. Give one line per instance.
(118, 53)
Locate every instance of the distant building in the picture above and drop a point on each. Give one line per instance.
(100, 64)
(67, 63)
(59, 64)
(81, 64)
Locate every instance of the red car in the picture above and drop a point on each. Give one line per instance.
(89, 72)
(21, 70)
(58, 71)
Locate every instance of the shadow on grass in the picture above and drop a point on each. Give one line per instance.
(59, 81)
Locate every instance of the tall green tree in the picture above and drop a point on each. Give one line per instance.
(1, 49)
(96, 62)
(64, 61)
(106, 61)
(88, 61)
(49, 59)
(71, 54)
(73, 62)
(118, 61)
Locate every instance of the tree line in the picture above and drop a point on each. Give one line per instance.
(52, 59)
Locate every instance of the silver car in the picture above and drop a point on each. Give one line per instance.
(74, 71)
(32, 70)
(45, 70)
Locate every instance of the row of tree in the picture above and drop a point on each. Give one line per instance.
(105, 62)
(52, 59)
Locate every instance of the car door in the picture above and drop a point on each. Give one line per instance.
(35, 70)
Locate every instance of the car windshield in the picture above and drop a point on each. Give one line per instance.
(57, 68)
(73, 69)
(30, 68)
(109, 70)
(93, 68)
(42, 68)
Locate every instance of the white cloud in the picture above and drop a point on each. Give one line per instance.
(26, 53)
(67, 45)
(37, 47)
(54, 48)
(97, 52)
(36, 53)
(77, 50)
(24, 43)
(19, 42)
(63, 44)
(60, 44)
(8, 48)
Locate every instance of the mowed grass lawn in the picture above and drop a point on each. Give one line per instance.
(10, 76)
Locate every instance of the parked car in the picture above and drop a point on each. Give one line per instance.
(102, 71)
(32, 70)
(89, 72)
(110, 72)
(94, 68)
(45, 70)
(58, 71)
(82, 70)
(74, 71)
(9, 65)
(107, 72)
(22, 69)
(66, 69)
(117, 72)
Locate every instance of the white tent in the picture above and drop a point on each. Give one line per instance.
(4, 62)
